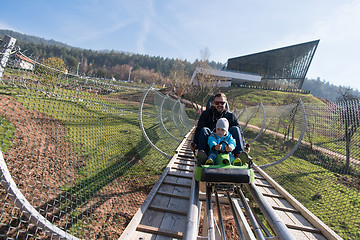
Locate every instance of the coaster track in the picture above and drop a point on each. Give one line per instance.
(172, 210)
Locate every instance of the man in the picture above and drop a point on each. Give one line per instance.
(207, 123)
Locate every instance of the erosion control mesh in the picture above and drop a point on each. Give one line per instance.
(74, 160)
(75, 163)
(324, 171)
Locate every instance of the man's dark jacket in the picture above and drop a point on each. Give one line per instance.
(209, 117)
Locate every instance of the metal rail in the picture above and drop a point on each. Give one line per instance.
(287, 218)
(163, 212)
(291, 152)
(22, 203)
(142, 125)
(299, 220)
(210, 213)
(263, 124)
(162, 121)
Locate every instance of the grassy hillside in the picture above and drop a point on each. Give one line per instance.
(312, 177)
(246, 97)
(98, 134)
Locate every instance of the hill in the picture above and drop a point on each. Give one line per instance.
(246, 97)
(144, 68)
(31, 39)
(323, 89)
(106, 64)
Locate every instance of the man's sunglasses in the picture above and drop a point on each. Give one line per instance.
(219, 103)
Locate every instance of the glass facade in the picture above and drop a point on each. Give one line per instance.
(284, 68)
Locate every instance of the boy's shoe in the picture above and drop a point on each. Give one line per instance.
(201, 156)
(209, 162)
(237, 162)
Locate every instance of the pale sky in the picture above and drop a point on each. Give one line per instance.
(183, 28)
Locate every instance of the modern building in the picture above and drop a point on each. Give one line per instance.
(284, 68)
(223, 78)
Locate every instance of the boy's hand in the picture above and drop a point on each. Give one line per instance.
(228, 148)
(217, 147)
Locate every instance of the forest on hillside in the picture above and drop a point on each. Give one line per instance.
(117, 64)
(106, 64)
(323, 89)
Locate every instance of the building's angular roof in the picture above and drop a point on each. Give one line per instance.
(283, 67)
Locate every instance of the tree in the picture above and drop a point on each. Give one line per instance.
(50, 70)
(323, 89)
(346, 93)
(179, 78)
(71, 62)
(121, 72)
(144, 76)
(204, 82)
(349, 112)
(349, 115)
(201, 89)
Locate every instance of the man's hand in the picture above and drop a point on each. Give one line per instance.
(247, 148)
(193, 147)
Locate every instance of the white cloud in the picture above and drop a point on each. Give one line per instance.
(4, 25)
(140, 43)
(143, 13)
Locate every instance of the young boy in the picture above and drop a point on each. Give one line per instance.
(221, 134)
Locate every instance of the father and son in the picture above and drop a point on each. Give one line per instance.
(218, 129)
